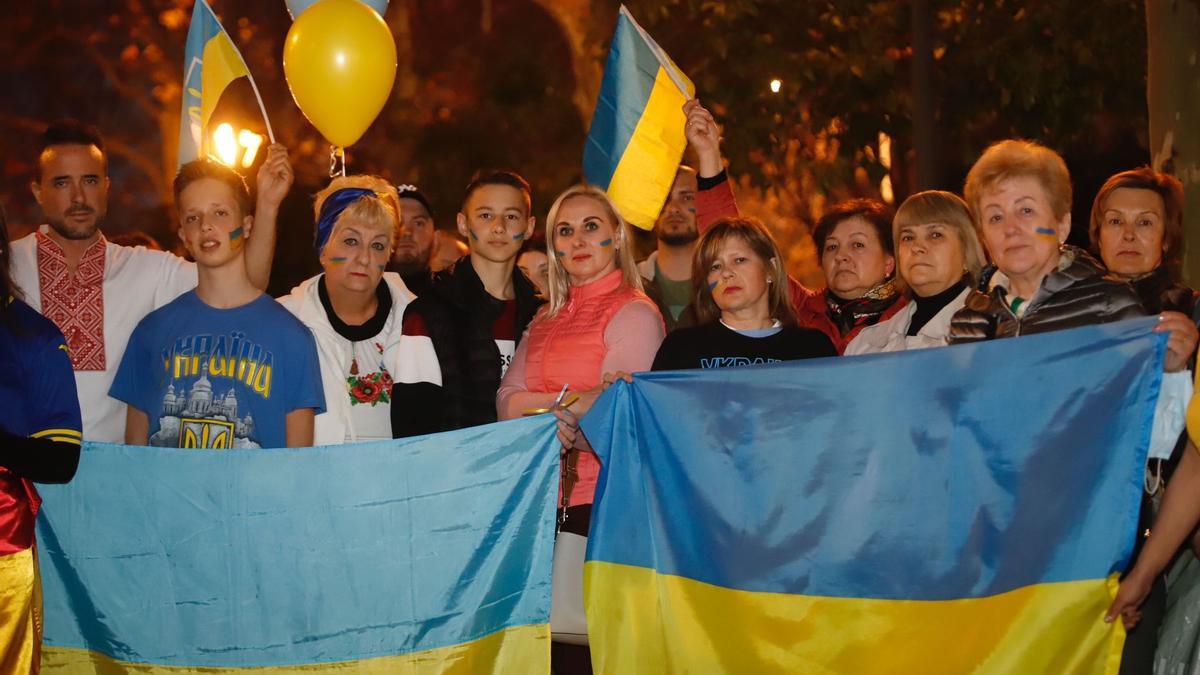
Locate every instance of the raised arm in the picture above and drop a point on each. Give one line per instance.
(274, 180)
(715, 199)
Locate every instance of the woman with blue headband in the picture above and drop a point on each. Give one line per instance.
(373, 351)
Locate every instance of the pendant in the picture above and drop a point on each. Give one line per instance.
(354, 365)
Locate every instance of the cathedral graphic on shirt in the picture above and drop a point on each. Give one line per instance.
(200, 418)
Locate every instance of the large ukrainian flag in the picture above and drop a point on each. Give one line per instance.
(210, 64)
(636, 138)
(955, 510)
(426, 555)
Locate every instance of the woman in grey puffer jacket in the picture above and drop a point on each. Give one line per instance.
(1020, 196)
(1078, 292)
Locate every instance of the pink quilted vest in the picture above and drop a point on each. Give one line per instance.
(568, 348)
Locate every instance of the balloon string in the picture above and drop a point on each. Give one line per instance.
(337, 161)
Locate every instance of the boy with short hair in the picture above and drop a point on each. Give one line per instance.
(490, 302)
(222, 366)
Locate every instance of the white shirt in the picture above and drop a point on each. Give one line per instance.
(136, 282)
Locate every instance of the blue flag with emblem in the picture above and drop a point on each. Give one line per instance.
(210, 64)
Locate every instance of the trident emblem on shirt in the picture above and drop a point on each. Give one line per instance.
(198, 433)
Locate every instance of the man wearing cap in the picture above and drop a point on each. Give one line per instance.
(414, 243)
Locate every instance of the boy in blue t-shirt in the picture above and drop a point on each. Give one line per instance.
(223, 366)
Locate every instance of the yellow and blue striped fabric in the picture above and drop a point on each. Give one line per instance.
(955, 510)
(210, 64)
(636, 139)
(424, 555)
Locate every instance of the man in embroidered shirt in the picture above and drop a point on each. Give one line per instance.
(96, 291)
(222, 366)
(668, 270)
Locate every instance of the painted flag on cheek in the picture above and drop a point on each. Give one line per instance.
(636, 139)
(957, 510)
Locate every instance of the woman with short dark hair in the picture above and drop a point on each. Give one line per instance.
(854, 240)
(1137, 230)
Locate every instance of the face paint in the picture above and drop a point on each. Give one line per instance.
(1046, 232)
(561, 254)
(518, 236)
(472, 233)
(337, 261)
(235, 238)
(691, 210)
(381, 267)
(713, 284)
(606, 243)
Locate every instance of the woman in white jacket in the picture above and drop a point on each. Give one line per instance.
(359, 315)
(939, 257)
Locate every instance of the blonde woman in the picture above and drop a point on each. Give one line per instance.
(598, 323)
(939, 258)
(370, 342)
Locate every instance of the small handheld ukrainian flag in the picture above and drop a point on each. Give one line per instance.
(636, 139)
(210, 64)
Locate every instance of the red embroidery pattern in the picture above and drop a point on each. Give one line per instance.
(75, 303)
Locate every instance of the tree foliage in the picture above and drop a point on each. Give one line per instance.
(1068, 74)
(485, 83)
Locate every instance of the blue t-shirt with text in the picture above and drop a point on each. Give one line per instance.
(219, 378)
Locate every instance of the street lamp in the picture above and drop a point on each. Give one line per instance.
(776, 85)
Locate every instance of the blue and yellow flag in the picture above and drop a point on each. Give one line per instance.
(425, 555)
(955, 510)
(636, 138)
(210, 64)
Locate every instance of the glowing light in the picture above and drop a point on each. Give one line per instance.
(251, 142)
(776, 85)
(885, 190)
(225, 144)
(885, 160)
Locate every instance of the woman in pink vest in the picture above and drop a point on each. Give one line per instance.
(597, 326)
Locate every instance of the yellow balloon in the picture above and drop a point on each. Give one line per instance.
(340, 62)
